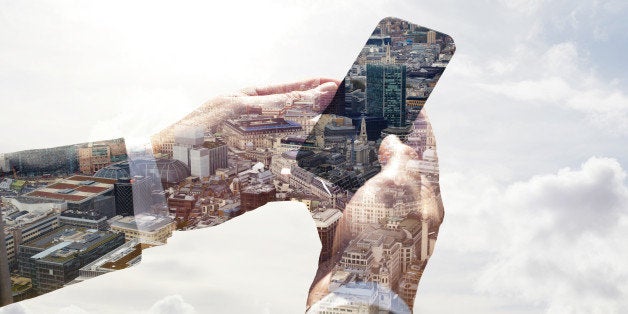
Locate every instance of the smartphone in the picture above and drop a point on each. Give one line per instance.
(374, 254)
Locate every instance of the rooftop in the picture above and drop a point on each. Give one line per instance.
(261, 123)
(63, 243)
(326, 217)
(122, 257)
(142, 222)
(74, 189)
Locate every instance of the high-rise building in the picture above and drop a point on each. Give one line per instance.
(202, 157)
(123, 192)
(217, 155)
(386, 92)
(431, 37)
(199, 162)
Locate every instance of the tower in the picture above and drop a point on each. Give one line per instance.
(386, 92)
(388, 59)
(363, 138)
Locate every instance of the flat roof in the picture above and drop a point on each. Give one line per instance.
(63, 243)
(76, 189)
(142, 222)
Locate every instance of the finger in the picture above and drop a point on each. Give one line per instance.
(281, 99)
(286, 88)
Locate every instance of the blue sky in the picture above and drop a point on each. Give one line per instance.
(531, 119)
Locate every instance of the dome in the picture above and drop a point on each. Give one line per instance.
(115, 171)
(170, 171)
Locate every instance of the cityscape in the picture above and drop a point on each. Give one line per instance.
(75, 212)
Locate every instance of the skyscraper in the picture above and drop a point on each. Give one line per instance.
(386, 92)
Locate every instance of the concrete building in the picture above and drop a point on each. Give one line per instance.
(256, 195)
(199, 162)
(181, 206)
(202, 157)
(253, 131)
(281, 164)
(304, 117)
(89, 220)
(81, 193)
(144, 227)
(431, 37)
(376, 205)
(326, 221)
(54, 259)
(95, 156)
(127, 255)
(217, 155)
(24, 226)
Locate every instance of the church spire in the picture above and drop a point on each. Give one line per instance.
(363, 138)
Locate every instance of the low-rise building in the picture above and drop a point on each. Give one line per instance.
(54, 259)
(81, 193)
(144, 227)
(124, 256)
(256, 195)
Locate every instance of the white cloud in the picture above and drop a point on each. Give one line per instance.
(555, 241)
(171, 304)
(72, 309)
(15, 308)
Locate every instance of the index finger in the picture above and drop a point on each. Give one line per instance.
(289, 87)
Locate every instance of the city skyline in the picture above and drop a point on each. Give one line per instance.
(211, 172)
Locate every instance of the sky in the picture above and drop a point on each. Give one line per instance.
(530, 117)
